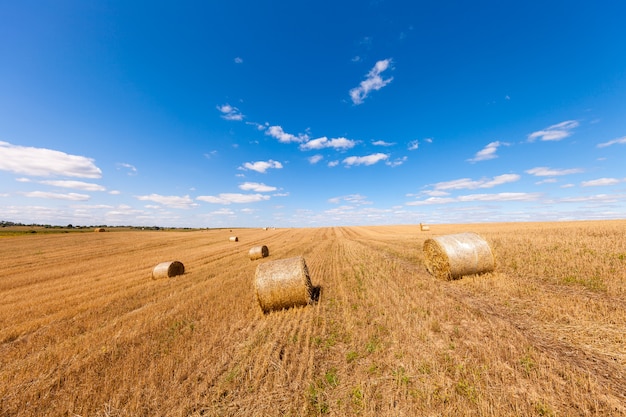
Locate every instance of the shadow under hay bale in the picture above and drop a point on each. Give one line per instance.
(283, 284)
(168, 270)
(452, 256)
(258, 252)
(233, 239)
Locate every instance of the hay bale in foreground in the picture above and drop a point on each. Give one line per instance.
(258, 252)
(233, 239)
(282, 284)
(452, 256)
(168, 270)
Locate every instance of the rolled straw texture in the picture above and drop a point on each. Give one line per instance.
(168, 270)
(282, 284)
(452, 256)
(233, 239)
(258, 252)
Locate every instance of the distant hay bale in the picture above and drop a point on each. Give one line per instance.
(168, 270)
(452, 256)
(99, 229)
(233, 239)
(424, 227)
(282, 284)
(258, 252)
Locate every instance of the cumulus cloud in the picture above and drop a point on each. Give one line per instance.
(600, 182)
(56, 196)
(229, 198)
(555, 132)
(171, 201)
(256, 186)
(230, 113)
(78, 185)
(333, 163)
(469, 184)
(44, 162)
(315, 159)
(620, 141)
(261, 166)
(365, 160)
(372, 82)
(549, 172)
(477, 197)
(283, 137)
(324, 142)
(488, 152)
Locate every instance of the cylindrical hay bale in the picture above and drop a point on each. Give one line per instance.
(424, 227)
(233, 239)
(168, 270)
(282, 284)
(259, 252)
(100, 229)
(452, 256)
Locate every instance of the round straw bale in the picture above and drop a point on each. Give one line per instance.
(258, 252)
(233, 239)
(424, 227)
(168, 269)
(282, 284)
(99, 229)
(452, 256)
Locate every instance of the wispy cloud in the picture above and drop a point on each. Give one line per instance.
(171, 201)
(477, 197)
(382, 143)
(601, 182)
(413, 145)
(257, 187)
(324, 142)
(230, 113)
(131, 169)
(620, 141)
(555, 132)
(315, 159)
(44, 162)
(372, 82)
(78, 185)
(56, 196)
(488, 152)
(549, 172)
(354, 199)
(261, 166)
(230, 198)
(396, 162)
(365, 160)
(469, 184)
(238, 60)
(283, 137)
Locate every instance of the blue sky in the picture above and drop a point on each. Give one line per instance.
(311, 113)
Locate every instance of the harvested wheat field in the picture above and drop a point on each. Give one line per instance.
(86, 331)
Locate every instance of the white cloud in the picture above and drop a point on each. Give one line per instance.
(323, 142)
(620, 141)
(230, 113)
(283, 137)
(488, 152)
(79, 185)
(131, 169)
(45, 162)
(397, 162)
(365, 160)
(549, 172)
(56, 196)
(262, 166)
(257, 187)
(315, 159)
(238, 60)
(555, 132)
(382, 143)
(600, 182)
(333, 163)
(237, 198)
(413, 145)
(598, 198)
(477, 197)
(171, 201)
(373, 82)
(355, 199)
(469, 184)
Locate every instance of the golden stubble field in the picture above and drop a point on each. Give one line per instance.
(85, 331)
